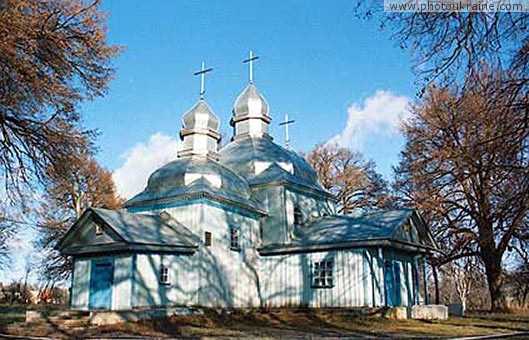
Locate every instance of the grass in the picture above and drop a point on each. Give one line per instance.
(282, 324)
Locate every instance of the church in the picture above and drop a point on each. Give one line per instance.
(246, 226)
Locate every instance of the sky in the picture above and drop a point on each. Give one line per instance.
(342, 79)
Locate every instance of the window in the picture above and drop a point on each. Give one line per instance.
(235, 239)
(323, 274)
(164, 274)
(99, 230)
(298, 216)
(207, 239)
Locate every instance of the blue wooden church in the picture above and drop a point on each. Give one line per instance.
(246, 226)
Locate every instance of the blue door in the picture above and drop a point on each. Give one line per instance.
(398, 284)
(392, 283)
(101, 277)
(389, 283)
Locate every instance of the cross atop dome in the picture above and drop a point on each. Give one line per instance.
(202, 74)
(200, 128)
(250, 62)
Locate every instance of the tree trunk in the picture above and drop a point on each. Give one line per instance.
(436, 281)
(494, 273)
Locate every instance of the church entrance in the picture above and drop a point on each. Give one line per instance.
(101, 277)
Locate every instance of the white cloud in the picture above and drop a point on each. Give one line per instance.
(380, 115)
(141, 160)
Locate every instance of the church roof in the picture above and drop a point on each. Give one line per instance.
(194, 175)
(403, 229)
(260, 161)
(130, 231)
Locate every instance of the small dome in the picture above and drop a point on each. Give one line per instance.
(250, 103)
(200, 117)
(188, 176)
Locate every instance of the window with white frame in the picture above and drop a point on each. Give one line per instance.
(322, 274)
(164, 274)
(235, 239)
(99, 229)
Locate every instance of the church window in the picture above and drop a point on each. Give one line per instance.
(99, 230)
(298, 215)
(322, 275)
(164, 274)
(235, 239)
(207, 239)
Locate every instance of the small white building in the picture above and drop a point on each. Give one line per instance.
(245, 226)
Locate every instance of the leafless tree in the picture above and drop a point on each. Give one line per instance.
(79, 183)
(53, 55)
(454, 44)
(466, 163)
(353, 180)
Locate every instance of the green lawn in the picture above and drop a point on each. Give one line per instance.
(279, 324)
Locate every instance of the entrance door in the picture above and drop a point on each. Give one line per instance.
(101, 277)
(393, 283)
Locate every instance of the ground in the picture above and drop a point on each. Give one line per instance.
(275, 324)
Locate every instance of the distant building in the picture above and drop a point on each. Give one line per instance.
(245, 226)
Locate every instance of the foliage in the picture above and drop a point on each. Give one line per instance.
(53, 55)
(353, 180)
(79, 183)
(466, 163)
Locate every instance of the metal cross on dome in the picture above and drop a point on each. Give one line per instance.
(202, 74)
(250, 61)
(286, 123)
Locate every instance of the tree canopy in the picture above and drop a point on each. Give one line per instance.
(53, 55)
(347, 175)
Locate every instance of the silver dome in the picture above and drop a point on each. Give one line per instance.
(194, 175)
(250, 103)
(200, 117)
(259, 160)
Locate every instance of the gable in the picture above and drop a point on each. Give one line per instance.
(124, 231)
(84, 233)
(415, 231)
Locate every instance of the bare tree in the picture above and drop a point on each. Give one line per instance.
(455, 44)
(464, 273)
(7, 228)
(353, 180)
(53, 55)
(79, 183)
(466, 162)
(519, 284)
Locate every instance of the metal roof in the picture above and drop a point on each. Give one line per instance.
(147, 228)
(133, 232)
(243, 155)
(370, 228)
(170, 182)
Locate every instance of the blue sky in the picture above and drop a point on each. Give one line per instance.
(316, 61)
(339, 77)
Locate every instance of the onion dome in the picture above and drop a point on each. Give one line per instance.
(200, 132)
(250, 114)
